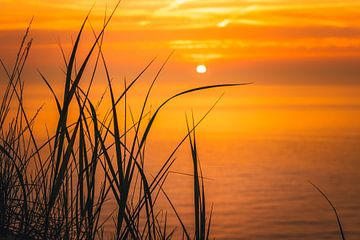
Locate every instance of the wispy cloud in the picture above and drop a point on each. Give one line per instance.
(211, 29)
(193, 13)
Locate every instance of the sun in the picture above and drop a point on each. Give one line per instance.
(201, 69)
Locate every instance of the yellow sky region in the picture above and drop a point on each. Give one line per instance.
(190, 13)
(204, 31)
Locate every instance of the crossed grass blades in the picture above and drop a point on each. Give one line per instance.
(51, 189)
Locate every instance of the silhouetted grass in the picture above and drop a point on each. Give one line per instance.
(52, 189)
(202, 225)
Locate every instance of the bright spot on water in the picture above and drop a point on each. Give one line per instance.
(201, 69)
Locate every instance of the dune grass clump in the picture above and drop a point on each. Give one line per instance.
(52, 189)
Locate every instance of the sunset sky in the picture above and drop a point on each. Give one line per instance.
(326, 32)
(269, 42)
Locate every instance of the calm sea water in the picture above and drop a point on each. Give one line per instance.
(260, 189)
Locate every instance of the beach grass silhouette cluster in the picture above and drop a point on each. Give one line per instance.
(52, 190)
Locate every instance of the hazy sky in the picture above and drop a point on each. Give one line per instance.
(297, 52)
(289, 41)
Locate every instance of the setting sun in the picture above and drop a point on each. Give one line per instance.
(201, 69)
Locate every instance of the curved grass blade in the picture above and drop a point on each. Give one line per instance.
(333, 208)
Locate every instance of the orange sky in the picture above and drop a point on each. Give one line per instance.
(265, 41)
(205, 31)
(269, 42)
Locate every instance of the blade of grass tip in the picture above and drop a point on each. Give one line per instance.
(87, 58)
(52, 91)
(70, 65)
(23, 59)
(62, 53)
(68, 93)
(209, 223)
(333, 208)
(135, 80)
(21, 46)
(99, 43)
(196, 181)
(202, 203)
